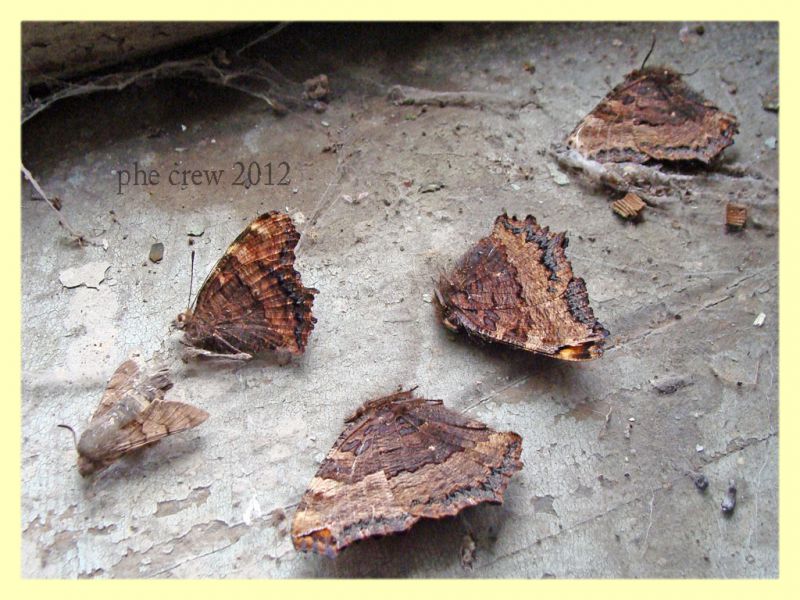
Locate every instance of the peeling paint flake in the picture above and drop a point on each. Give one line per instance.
(90, 275)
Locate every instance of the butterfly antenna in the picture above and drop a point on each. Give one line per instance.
(72, 431)
(649, 52)
(191, 280)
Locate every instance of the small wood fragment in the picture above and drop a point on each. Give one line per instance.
(629, 207)
(735, 216)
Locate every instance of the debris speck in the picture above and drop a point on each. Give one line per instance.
(91, 275)
(769, 101)
(468, 549)
(558, 177)
(299, 218)
(669, 385)
(156, 252)
(324, 123)
(276, 516)
(427, 298)
(699, 448)
(317, 88)
(759, 321)
(183, 127)
(252, 512)
(701, 482)
(771, 142)
(729, 501)
(431, 187)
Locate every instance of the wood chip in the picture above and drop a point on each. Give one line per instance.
(630, 207)
(735, 216)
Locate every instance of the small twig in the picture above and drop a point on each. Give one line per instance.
(79, 237)
(605, 424)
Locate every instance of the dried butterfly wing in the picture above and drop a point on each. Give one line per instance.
(653, 115)
(253, 300)
(132, 414)
(401, 459)
(516, 287)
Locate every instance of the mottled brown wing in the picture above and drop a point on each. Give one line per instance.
(401, 459)
(653, 115)
(132, 378)
(517, 287)
(254, 300)
(160, 419)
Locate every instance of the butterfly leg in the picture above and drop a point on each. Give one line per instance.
(192, 352)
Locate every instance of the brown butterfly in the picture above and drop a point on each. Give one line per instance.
(653, 115)
(253, 300)
(132, 414)
(401, 459)
(516, 287)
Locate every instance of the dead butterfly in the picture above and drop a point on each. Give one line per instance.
(516, 287)
(132, 414)
(653, 115)
(401, 459)
(253, 300)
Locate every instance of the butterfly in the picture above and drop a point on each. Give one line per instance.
(516, 287)
(653, 115)
(132, 414)
(253, 300)
(401, 459)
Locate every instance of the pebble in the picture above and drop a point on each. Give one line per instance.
(156, 252)
(729, 501)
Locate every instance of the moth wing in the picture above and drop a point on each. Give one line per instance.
(160, 419)
(132, 378)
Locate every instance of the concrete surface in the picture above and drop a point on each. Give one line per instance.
(678, 294)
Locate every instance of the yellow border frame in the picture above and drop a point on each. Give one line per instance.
(10, 355)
